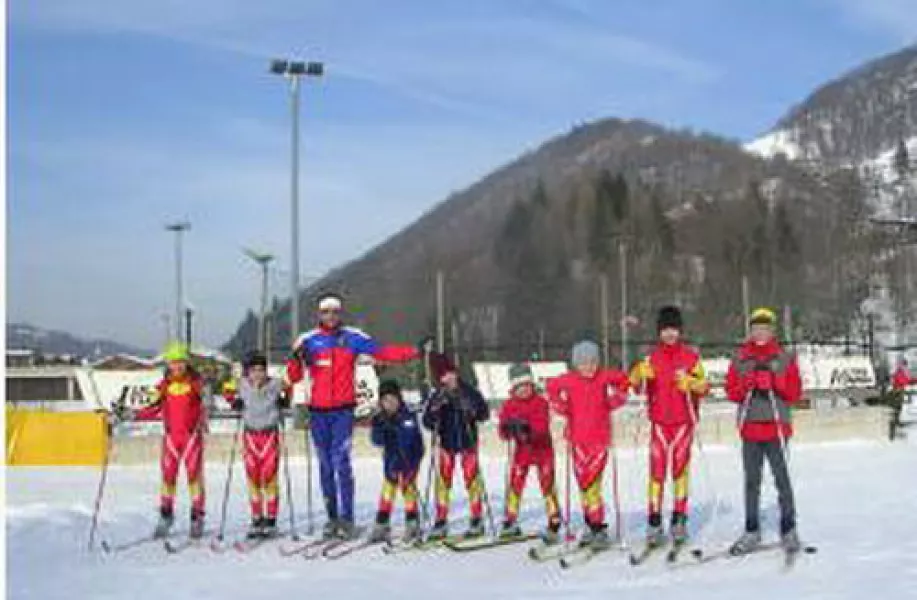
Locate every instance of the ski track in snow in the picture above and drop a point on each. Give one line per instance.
(856, 502)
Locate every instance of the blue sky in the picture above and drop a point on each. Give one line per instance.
(125, 115)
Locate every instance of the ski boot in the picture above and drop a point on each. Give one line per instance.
(596, 539)
(679, 529)
(439, 532)
(269, 527)
(256, 529)
(475, 528)
(411, 530)
(346, 530)
(196, 530)
(790, 542)
(551, 535)
(509, 530)
(382, 532)
(166, 519)
(655, 536)
(330, 529)
(749, 541)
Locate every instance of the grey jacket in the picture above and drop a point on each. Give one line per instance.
(261, 405)
(759, 407)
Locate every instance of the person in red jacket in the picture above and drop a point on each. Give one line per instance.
(586, 397)
(902, 377)
(901, 380)
(525, 421)
(177, 400)
(763, 379)
(329, 352)
(672, 377)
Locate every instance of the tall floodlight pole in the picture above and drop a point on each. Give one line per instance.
(178, 228)
(293, 71)
(263, 260)
(906, 229)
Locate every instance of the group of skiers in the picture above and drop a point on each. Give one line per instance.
(763, 380)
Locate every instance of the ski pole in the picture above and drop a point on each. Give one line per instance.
(94, 525)
(704, 468)
(615, 491)
(509, 475)
(568, 477)
(286, 475)
(310, 518)
(232, 459)
(431, 473)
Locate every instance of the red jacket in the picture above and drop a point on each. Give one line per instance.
(668, 405)
(535, 412)
(785, 383)
(586, 403)
(902, 378)
(330, 355)
(178, 403)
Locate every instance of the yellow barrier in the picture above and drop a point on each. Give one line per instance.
(39, 438)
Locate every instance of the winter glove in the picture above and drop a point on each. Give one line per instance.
(642, 372)
(763, 380)
(237, 404)
(518, 429)
(687, 383)
(425, 345)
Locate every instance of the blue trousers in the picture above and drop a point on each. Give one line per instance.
(332, 433)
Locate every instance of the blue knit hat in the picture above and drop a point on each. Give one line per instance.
(584, 351)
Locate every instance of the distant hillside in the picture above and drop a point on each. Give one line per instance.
(25, 336)
(524, 250)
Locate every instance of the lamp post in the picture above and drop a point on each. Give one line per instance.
(263, 260)
(178, 229)
(293, 71)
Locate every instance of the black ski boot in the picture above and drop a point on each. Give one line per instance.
(510, 529)
(256, 529)
(439, 532)
(196, 530)
(475, 529)
(269, 527)
(166, 519)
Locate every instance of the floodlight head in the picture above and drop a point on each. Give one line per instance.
(259, 257)
(279, 66)
(316, 69)
(297, 67)
(180, 226)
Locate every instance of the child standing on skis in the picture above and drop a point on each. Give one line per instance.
(177, 400)
(525, 422)
(396, 431)
(261, 399)
(453, 412)
(672, 376)
(763, 379)
(586, 397)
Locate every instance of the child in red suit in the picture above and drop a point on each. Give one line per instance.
(586, 397)
(525, 420)
(672, 376)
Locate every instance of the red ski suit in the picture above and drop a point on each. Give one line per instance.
(587, 403)
(672, 376)
(533, 449)
(179, 404)
(902, 378)
(782, 379)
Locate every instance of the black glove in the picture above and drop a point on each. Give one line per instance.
(283, 401)
(238, 404)
(425, 345)
(518, 429)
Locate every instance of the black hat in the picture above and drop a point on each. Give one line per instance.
(255, 359)
(669, 316)
(389, 387)
(440, 365)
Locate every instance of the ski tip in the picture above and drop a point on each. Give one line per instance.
(697, 553)
(810, 550)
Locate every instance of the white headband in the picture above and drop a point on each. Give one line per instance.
(330, 303)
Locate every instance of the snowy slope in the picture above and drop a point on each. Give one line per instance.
(856, 502)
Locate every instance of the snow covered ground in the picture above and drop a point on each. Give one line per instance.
(857, 503)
